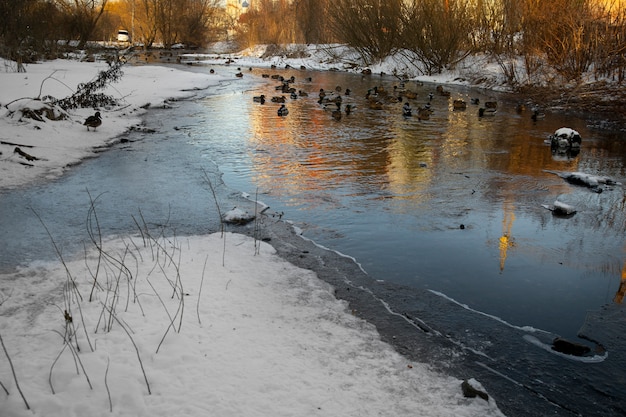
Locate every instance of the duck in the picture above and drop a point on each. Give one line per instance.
(487, 111)
(475, 101)
(459, 104)
(537, 114)
(259, 99)
(442, 92)
(491, 104)
(283, 111)
(375, 105)
(406, 109)
(423, 113)
(337, 113)
(239, 75)
(93, 121)
(278, 99)
(349, 108)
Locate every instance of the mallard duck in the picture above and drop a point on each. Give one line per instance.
(375, 105)
(459, 104)
(424, 113)
(491, 104)
(406, 109)
(259, 99)
(283, 111)
(278, 99)
(487, 111)
(93, 121)
(442, 92)
(336, 114)
(537, 114)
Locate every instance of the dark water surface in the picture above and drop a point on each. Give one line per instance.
(452, 204)
(393, 192)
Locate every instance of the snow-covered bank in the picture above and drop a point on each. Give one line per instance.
(59, 144)
(197, 326)
(238, 330)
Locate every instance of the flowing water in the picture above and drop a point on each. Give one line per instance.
(453, 204)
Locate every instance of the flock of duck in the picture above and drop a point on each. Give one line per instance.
(377, 97)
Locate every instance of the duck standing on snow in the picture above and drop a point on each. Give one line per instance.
(93, 121)
(283, 111)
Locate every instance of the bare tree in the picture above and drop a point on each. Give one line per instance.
(372, 27)
(82, 17)
(28, 30)
(437, 32)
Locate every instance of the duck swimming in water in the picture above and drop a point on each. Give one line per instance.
(283, 111)
(406, 109)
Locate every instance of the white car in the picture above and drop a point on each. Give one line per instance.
(123, 36)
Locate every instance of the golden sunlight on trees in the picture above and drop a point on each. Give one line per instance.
(437, 32)
(531, 40)
(82, 17)
(168, 22)
(372, 27)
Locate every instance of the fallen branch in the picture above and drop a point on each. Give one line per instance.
(25, 155)
(4, 142)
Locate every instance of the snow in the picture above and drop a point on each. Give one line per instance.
(59, 144)
(180, 326)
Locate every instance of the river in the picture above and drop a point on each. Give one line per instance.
(446, 216)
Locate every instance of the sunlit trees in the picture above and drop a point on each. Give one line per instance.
(372, 27)
(530, 39)
(81, 17)
(437, 32)
(192, 22)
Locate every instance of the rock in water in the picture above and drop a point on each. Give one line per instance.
(472, 389)
(570, 348)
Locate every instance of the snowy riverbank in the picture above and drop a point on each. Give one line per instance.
(180, 326)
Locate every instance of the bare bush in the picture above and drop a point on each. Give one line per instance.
(372, 27)
(437, 32)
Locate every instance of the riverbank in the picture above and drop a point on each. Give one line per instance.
(107, 330)
(49, 147)
(598, 100)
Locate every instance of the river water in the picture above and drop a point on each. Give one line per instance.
(446, 216)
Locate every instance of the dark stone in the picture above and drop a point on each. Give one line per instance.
(471, 392)
(570, 348)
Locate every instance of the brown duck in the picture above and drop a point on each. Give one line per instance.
(93, 121)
